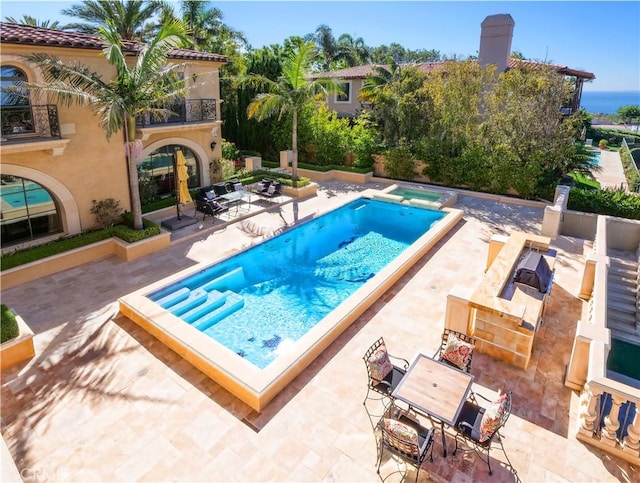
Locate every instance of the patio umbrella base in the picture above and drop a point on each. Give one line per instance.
(176, 223)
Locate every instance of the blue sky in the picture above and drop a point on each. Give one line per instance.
(599, 37)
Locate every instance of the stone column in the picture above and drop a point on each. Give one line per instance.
(611, 423)
(631, 443)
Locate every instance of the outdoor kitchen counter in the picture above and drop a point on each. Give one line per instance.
(506, 315)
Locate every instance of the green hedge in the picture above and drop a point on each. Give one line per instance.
(605, 202)
(8, 324)
(62, 245)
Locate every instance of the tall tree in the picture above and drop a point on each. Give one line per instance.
(127, 17)
(135, 89)
(326, 44)
(290, 93)
(29, 20)
(352, 51)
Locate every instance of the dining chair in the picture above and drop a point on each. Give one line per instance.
(456, 349)
(479, 427)
(403, 436)
(382, 373)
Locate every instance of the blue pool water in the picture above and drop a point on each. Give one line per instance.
(269, 296)
(413, 193)
(595, 158)
(14, 195)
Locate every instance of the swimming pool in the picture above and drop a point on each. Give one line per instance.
(231, 367)
(262, 300)
(418, 195)
(596, 157)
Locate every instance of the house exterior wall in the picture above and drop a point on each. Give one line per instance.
(91, 167)
(347, 109)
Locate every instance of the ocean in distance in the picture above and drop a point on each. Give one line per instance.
(608, 102)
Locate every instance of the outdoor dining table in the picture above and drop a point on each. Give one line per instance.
(436, 390)
(237, 197)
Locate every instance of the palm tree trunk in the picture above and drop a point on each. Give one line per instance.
(132, 169)
(294, 150)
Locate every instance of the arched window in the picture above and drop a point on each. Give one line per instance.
(27, 210)
(15, 110)
(155, 172)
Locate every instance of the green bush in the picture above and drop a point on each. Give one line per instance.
(52, 248)
(106, 212)
(8, 324)
(62, 245)
(399, 162)
(159, 204)
(605, 202)
(128, 234)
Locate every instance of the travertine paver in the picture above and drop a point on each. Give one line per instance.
(104, 401)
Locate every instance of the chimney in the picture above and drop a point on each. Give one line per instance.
(495, 41)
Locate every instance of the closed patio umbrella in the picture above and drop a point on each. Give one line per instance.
(182, 195)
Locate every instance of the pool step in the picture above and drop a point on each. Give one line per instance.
(196, 297)
(214, 300)
(166, 300)
(232, 280)
(232, 302)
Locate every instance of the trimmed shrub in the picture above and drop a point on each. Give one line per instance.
(605, 202)
(106, 212)
(8, 324)
(128, 234)
(399, 162)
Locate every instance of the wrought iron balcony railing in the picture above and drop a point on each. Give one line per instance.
(29, 123)
(183, 112)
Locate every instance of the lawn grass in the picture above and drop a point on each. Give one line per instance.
(584, 182)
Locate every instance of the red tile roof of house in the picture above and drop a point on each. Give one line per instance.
(11, 33)
(363, 71)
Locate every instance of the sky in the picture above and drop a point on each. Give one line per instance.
(598, 37)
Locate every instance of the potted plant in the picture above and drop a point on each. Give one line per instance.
(603, 144)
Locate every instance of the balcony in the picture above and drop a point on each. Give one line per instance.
(186, 114)
(31, 128)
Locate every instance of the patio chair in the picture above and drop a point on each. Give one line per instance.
(220, 189)
(262, 186)
(456, 350)
(479, 427)
(404, 437)
(209, 207)
(383, 375)
(273, 190)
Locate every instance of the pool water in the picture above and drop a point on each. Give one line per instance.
(15, 195)
(624, 358)
(414, 193)
(261, 301)
(596, 156)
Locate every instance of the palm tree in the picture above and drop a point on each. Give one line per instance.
(290, 93)
(352, 51)
(326, 43)
(127, 16)
(34, 22)
(383, 76)
(135, 90)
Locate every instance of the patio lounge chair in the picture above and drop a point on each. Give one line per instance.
(456, 350)
(479, 427)
(383, 375)
(220, 189)
(262, 186)
(404, 437)
(209, 207)
(273, 190)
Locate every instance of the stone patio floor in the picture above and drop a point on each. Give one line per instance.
(105, 401)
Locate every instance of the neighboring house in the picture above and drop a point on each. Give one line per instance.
(56, 160)
(495, 48)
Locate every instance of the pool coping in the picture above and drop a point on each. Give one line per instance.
(255, 386)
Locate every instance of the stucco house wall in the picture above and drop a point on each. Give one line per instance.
(90, 167)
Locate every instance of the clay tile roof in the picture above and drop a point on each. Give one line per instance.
(11, 33)
(363, 71)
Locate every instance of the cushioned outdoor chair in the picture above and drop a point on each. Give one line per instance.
(402, 436)
(208, 207)
(273, 190)
(220, 189)
(479, 427)
(456, 350)
(262, 186)
(384, 376)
